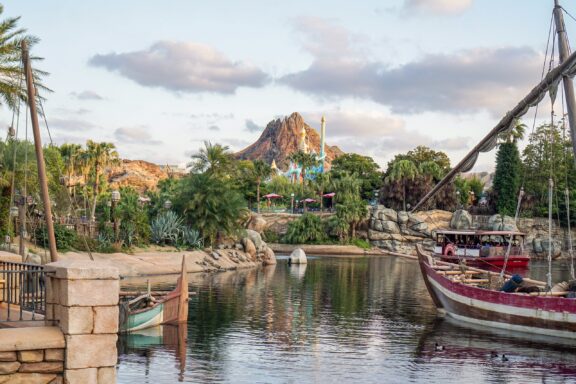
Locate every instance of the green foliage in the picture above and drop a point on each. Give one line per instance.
(400, 172)
(65, 238)
(165, 228)
(350, 207)
(364, 168)
(271, 236)
(307, 229)
(213, 159)
(361, 243)
(134, 226)
(211, 205)
(190, 238)
(507, 178)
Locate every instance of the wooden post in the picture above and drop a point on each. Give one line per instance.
(22, 229)
(39, 152)
(567, 81)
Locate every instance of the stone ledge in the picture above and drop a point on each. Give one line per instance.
(82, 270)
(25, 339)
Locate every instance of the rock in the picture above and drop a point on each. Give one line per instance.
(390, 227)
(269, 257)
(461, 219)
(255, 237)
(215, 255)
(387, 214)
(249, 248)
(257, 223)
(537, 245)
(298, 256)
(501, 223)
(378, 226)
(555, 245)
(421, 228)
(402, 217)
(238, 246)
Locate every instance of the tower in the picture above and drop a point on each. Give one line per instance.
(322, 142)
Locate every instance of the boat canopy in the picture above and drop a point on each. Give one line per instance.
(478, 233)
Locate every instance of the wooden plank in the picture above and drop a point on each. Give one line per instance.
(563, 293)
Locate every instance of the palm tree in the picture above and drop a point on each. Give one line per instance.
(321, 183)
(100, 156)
(431, 169)
(213, 159)
(516, 133)
(70, 154)
(12, 88)
(402, 170)
(262, 171)
(349, 204)
(304, 160)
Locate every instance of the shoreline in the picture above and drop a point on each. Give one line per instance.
(326, 250)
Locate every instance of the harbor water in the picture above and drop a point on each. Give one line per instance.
(334, 320)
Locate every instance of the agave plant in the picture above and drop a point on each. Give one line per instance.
(190, 238)
(165, 228)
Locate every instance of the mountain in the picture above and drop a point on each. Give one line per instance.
(280, 138)
(139, 174)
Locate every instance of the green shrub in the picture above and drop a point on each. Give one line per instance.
(271, 236)
(361, 243)
(165, 228)
(307, 229)
(65, 238)
(190, 238)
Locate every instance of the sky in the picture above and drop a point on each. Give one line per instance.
(159, 78)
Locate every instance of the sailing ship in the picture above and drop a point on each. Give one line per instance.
(145, 311)
(478, 296)
(482, 248)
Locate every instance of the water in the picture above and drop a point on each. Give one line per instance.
(336, 320)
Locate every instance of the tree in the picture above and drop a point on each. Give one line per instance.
(210, 204)
(70, 154)
(401, 171)
(364, 167)
(12, 89)
(214, 159)
(349, 205)
(262, 171)
(321, 183)
(507, 178)
(422, 154)
(99, 156)
(515, 134)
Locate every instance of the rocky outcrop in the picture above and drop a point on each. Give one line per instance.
(256, 248)
(400, 231)
(280, 138)
(139, 174)
(461, 219)
(501, 223)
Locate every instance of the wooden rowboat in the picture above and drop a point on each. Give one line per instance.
(475, 302)
(146, 311)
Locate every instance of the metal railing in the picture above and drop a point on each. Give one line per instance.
(22, 292)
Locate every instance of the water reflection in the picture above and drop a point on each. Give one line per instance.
(345, 319)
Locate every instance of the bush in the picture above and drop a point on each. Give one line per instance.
(190, 238)
(165, 228)
(271, 236)
(361, 243)
(307, 229)
(65, 238)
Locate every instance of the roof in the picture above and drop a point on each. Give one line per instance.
(470, 232)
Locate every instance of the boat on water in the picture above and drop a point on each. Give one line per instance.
(483, 249)
(468, 294)
(483, 297)
(145, 311)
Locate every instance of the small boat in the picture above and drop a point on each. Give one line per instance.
(467, 294)
(484, 249)
(146, 311)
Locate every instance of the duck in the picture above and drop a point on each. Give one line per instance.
(493, 354)
(438, 347)
(504, 358)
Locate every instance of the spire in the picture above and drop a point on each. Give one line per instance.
(273, 165)
(302, 145)
(322, 141)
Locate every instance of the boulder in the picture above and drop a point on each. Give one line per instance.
(390, 227)
(249, 248)
(257, 223)
(298, 256)
(387, 214)
(255, 237)
(420, 227)
(537, 245)
(501, 223)
(461, 219)
(269, 257)
(378, 226)
(555, 245)
(402, 217)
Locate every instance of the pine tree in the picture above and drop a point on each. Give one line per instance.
(507, 178)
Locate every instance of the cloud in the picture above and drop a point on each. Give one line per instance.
(182, 67)
(213, 116)
(356, 123)
(214, 128)
(467, 81)
(70, 124)
(251, 126)
(135, 135)
(86, 95)
(445, 7)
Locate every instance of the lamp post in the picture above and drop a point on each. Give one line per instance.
(292, 202)
(376, 197)
(115, 197)
(167, 205)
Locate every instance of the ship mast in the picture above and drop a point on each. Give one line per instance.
(567, 81)
(39, 152)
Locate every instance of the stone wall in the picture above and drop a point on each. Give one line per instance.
(82, 299)
(31, 355)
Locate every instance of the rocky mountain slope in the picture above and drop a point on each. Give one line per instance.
(139, 174)
(280, 138)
